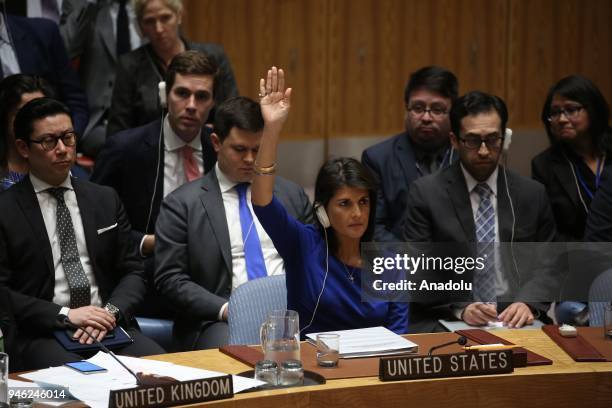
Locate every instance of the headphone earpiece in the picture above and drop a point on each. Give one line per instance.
(322, 215)
(507, 140)
(161, 86)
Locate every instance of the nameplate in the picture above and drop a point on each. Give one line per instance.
(180, 393)
(446, 365)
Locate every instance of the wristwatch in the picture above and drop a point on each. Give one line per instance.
(112, 309)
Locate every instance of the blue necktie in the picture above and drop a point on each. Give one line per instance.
(253, 255)
(484, 280)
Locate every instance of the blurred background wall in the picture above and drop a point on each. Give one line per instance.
(348, 61)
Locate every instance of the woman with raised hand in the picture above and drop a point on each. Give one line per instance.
(323, 261)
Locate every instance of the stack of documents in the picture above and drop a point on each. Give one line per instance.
(94, 389)
(370, 342)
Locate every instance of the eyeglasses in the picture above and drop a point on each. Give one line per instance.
(48, 142)
(570, 112)
(473, 143)
(420, 110)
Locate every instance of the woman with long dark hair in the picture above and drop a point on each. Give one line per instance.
(323, 262)
(575, 115)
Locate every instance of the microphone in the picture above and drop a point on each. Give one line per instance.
(462, 341)
(141, 378)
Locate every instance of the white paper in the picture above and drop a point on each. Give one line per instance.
(94, 389)
(371, 341)
(454, 325)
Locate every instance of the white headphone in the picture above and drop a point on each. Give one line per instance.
(507, 140)
(161, 87)
(322, 215)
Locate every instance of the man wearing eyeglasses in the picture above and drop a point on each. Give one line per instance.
(477, 201)
(422, 149)
(66, 254)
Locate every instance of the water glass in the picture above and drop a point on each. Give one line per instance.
(291, 373)
(608, 322)
(267, 371)
(328, 348)
(4, 370)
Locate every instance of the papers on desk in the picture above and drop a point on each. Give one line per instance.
(370, 342)
(94, 389)
(454, 325)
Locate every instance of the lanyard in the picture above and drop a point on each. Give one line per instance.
(600, 163)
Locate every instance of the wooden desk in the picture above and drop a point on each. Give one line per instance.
(563, 384)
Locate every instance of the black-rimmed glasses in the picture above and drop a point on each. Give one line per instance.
(420, 110)
(49, 141)
(473, 143)
(570, 112)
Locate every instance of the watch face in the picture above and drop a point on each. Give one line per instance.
(112, 309)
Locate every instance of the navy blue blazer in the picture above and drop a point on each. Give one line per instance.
(129, 162)
(40, 51)
(599, 221)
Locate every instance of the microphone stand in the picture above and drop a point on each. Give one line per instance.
(462, 341)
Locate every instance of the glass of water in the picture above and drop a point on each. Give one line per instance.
(4, 370)
(608, 322)
(328, 348)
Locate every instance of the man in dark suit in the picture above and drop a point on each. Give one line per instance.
(65, 253)
(39, 50)
(478, 201)
(147, 163)
(199, 252)
(9, 330)
(420, 150)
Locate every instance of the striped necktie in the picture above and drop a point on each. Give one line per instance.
(484, 280)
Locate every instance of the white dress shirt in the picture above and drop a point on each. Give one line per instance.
(501, 284)
(174, 171)
(48, 208)
(274, 262)
(35, 8)
(8, 57)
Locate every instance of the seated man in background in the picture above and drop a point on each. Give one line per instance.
(200, 250)
(420, 150)
(66, 254)
(477, 200)
(147, 163)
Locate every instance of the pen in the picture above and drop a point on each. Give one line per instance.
(498, 346)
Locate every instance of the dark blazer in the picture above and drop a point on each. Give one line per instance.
(393, 164)
(439, 210)
(129, 163)
(599, 222)
(552, 169)
(40, 51)
(193, 260)
(26, 260)
(135, 95)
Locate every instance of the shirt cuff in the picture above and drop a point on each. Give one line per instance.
(140, 246)
(64, 311)
(220, 315)
(458, 311)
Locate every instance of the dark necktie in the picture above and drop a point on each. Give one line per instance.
(50, 10)
(253, 255)
(123, 29)
(73, 269)
(484, 280)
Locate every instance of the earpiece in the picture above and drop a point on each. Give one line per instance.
(507, 140)
(161, 86)
(322, 215)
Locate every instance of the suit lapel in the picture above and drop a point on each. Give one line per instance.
(106, 32)
(405, 157)
(504, 211)
(87, 207)
(29, 204)
(562, 172)
(460, 198)
(215, 211)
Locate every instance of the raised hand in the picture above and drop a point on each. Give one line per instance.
(275, 99)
